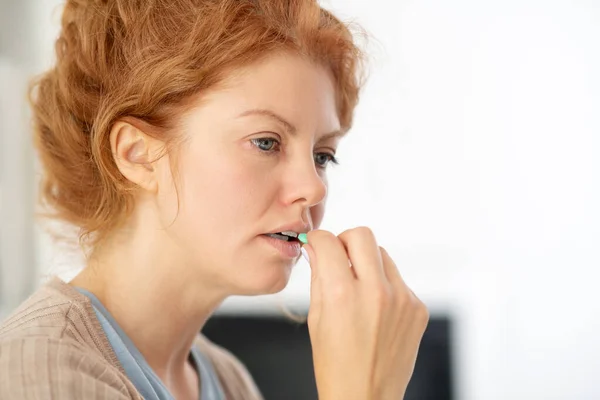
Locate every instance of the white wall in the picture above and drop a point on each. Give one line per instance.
(18, 58)
(473, 158)
(16, 196)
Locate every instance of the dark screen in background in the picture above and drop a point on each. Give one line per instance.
(277, 353)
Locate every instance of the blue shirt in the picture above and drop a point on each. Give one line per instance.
(137, 369)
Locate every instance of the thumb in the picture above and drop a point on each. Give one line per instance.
(315, 286)
(309, 254)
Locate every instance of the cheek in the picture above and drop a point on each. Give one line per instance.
(219, 193)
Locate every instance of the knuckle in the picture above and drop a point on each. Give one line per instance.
(410, 304)
(420, 311)
(421, 319)
(404, 298)
(382, 295)
(423, 310)
(357, 233)
(423, 314)
(364, 231)
(318, 235)
(417, 305)
(384, 254)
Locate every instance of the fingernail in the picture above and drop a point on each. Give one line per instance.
(305, 254)
(302, 237)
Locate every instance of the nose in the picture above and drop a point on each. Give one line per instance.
(304, 184)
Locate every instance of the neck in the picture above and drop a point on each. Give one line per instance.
(160, 302)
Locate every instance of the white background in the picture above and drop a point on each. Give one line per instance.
(474, 158)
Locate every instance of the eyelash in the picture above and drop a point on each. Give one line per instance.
(331, 157)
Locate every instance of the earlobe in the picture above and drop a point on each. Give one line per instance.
(131, 151)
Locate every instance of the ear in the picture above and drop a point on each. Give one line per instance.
(133, 152)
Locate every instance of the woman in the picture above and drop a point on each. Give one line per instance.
(181, 137)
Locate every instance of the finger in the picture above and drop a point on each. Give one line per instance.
(396, 280)
(315, 287)
(390, 269)
(364, 253)
(329, 259)
(314, 309)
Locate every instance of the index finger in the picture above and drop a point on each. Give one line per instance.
(364, 254)
(330, 258)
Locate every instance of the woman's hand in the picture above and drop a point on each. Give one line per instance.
(365, 324)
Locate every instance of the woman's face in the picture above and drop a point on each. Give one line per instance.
(254, 162)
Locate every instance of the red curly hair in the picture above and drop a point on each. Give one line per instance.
(148, 59)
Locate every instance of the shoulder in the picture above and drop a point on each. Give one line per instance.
(45, 310)
(234, 376)
(57, 311)
(51, 310)
(52, 346)
(46, 367)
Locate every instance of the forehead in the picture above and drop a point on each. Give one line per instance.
(290, 85)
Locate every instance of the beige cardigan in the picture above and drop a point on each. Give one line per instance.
(53, 347)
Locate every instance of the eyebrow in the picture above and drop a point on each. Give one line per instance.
(287, 125)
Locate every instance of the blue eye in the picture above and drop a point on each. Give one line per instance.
(271, 145)
(322, 159)
(265, 144)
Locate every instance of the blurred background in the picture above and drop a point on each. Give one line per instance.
(475, 158)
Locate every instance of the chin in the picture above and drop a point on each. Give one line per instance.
(263, 282)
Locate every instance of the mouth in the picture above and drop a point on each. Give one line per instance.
(288, 236)
(286, 243)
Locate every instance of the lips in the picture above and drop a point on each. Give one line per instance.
(286, 246)
(292, 229)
